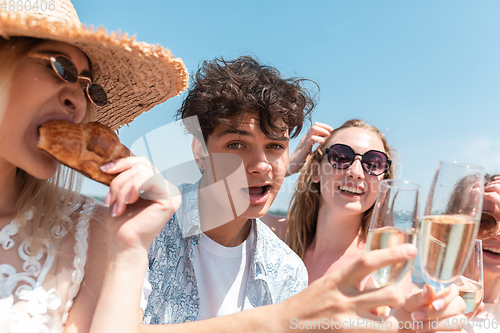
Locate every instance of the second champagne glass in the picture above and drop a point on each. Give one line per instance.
(450, 223)
(394, 222)
(470, 284)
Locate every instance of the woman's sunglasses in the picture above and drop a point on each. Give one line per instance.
(488, 227)
(66, 71)
(374, 162)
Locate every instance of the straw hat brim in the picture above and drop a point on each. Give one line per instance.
(135, 75)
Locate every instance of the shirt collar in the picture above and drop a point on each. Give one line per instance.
(188, 214)
(258, 269)
(188, 217)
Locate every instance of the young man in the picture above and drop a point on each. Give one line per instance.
(214, 257)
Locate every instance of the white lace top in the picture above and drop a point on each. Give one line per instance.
(36, 295)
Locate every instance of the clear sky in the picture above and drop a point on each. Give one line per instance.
(426, 73)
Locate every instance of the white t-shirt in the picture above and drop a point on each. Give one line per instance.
(221, 275)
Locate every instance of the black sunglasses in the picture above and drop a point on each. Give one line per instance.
(66, 71)
(374, 162)
(488, 227)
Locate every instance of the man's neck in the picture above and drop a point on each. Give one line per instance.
(220, 223)
(231, 234)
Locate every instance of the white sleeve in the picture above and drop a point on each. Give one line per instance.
(146, 290)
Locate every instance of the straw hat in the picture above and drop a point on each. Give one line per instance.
(135, 75)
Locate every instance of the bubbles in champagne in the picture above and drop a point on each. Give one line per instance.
(383, 238)
(446, 242)
(472, 293)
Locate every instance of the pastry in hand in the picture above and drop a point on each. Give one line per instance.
(83, 147)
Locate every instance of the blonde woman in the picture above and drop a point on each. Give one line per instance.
(334, 197)
(333, 200)
(56, 245)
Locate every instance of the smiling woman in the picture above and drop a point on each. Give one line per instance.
(335, 194)
(332, 205)
(491, 245)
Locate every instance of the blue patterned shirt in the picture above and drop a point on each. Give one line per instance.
(276, 272)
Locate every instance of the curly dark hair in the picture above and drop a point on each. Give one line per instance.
(224, 91)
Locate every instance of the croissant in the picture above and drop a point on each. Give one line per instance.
(84, 147)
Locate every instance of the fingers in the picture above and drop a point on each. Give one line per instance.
(492, 198)
(122, 192)
(447, 304)
(325, 127)
(123, 164)
(493, 187)
(320, 129)
(492, 195)
(317, 133)
(137, 177)
(419, 300)
(353, 274)
(318, 139)
(385, 296)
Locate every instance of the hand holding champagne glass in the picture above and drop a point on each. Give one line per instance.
(450, 223)
(394, 222)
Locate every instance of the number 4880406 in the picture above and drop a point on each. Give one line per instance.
(28, 5)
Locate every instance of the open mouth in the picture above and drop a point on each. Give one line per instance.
(350, 190)
(492, 250)
(257, 191)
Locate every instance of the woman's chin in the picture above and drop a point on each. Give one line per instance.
(44, 170)
(491, 264)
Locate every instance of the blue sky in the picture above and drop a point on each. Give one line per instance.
(426, 73)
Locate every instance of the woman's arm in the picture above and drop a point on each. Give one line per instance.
(117, 256)
(316, 134)
(85, 302)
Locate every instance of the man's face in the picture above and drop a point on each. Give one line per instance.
(252, 165)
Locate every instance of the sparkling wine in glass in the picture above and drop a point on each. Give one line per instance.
(470, 284)
(450, 222)
(394, 221)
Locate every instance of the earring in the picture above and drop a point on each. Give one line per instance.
(202, 170)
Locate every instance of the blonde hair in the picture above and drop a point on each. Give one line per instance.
(303, 211)
(11, 52)
(47, 200)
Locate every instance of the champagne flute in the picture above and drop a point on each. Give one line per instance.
(450, 223)
(470, 284)
(394, 221)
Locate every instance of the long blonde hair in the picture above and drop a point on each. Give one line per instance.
(303, 211)
(47, 200)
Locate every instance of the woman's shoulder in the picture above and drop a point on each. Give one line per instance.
(276, 223)
(89, 222)
(86, 208)
(95, 215)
